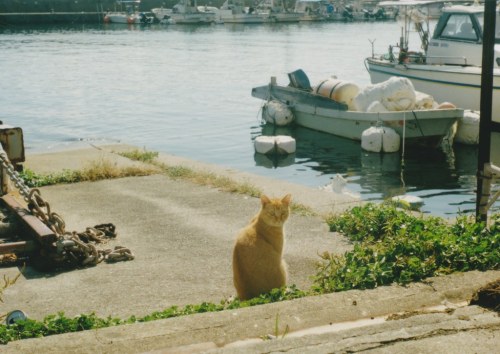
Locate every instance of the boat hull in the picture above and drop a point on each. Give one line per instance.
(425, 127)
(460, 85)
(286, 17)
(125, 18)
(192, 18)
(229, 17)
(418, 127)
(167, 16)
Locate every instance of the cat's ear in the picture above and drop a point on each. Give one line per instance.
(264, 199)
(287, 199)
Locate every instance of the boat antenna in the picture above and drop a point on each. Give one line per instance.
(373, 50)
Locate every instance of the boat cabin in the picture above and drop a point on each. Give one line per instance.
(458, 37)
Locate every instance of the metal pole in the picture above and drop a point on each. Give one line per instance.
(486, 101)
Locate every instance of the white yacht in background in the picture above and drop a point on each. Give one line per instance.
(312, 10)
(235, 11)
(184, 12)
(127, 12)
(449, 65)
(277, 12)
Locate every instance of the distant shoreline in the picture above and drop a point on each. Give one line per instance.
(31, 12)
(50, 18)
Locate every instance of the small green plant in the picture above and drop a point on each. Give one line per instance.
(58, 324)
(6, 283)
(392, 246)
(210, 179)
(140, 155)
(277, 328)
(276, 334)
(302, 209)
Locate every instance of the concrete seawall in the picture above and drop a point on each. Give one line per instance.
(182, 235)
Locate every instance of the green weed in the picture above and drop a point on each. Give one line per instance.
(392, 246)
(140, 155)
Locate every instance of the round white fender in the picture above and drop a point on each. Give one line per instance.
(278, 113)
(378, 139)
(264, 144)
(468, 128)
(285, 144)
(281, 144)
(390, 140)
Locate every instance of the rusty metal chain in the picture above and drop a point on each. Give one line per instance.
(70, 247)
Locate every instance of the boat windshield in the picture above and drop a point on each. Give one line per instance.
(460, 27)
(480, 18)
(464, 27)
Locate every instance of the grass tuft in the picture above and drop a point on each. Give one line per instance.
(95, 171)
(140, 155)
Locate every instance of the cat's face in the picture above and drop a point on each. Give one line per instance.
(275, 211)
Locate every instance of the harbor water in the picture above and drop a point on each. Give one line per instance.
(185, 90)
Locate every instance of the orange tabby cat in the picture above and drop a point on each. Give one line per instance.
(258, 265)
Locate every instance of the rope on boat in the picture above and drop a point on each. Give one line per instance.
(403, 150)
(418, 123)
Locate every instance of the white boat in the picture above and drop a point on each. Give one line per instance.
(162, 14)
(210, 10)
(431, 8)
(449, 67)
(277, 12)
(355, 11)
(312, 10)
(184, 12)
(235, 11)
(127, 12)
(417, 127)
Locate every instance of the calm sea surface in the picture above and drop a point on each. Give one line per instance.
(185, 90)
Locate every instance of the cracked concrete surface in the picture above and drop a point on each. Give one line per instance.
(152, 214)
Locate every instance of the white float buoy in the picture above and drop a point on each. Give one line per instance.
(285, 144)
(468, 128)
(380, 139)
(277, 113)
(264, 144)
(338, 90)
(280, 144)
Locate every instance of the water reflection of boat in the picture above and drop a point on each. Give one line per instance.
(274, 161)
(380, 176)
